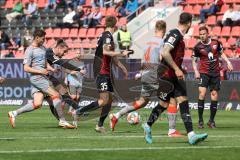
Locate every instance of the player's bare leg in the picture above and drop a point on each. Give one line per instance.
(37, 103)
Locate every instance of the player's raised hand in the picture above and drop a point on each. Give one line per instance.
(229, 65)
(138, 76)
(179, 74)
(2, 79)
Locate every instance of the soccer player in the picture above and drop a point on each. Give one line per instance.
(35, 63)
(104, 56)
(172, 84)
(149, 76)
(208, 50)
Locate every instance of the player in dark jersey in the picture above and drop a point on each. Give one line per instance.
(54, 56)
(104, 56)
(208, 51)
(172, 82)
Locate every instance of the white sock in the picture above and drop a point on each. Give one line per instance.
(190, 134)
(170, 131)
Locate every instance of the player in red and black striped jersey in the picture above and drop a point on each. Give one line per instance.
(172, 84)
(104, 56)
(208, 51)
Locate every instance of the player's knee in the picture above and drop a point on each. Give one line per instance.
(55, 97)
(214, 95)
(37, 105)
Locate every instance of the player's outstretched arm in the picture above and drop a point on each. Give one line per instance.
(121, 66)
(229, 64)
(109, 52)
(168, 58)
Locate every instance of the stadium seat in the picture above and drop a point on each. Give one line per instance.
(99, 31)
(82, 33)
(50, 43)
(225, 31)
(77, 43)
(195, 31)
(211, 20)
(91, 33)
(224, 8)
(65, 33)
(201, 2)
(229, 53)
(19, 54)
(94, 43)
(9, 4)
(49, 32)
(231, 42)
(111, 11)
(56, 32)
(191, 2)
(73, 33)
(228, 1)
(103, 11)
(188, 9)
(219, 18)
(224, 42)
(86, 44)
(191, 43)
(215, 31)
(196, 9)
(42, 3)
(188, 53)
(69, 42)
(235, 31)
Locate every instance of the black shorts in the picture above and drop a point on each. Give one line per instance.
(104, 83)
(213, 82)
(171, 88)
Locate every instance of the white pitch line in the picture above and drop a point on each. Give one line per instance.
(100, 136)
(114, 149)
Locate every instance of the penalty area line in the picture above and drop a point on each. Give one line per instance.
(114, 149)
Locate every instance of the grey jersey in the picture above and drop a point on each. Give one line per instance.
(35, 57)
(151, 59)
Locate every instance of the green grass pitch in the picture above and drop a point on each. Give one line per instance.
(37, 137)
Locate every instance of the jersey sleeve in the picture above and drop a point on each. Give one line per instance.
(107, 39)
(196, 52)
(172, 39)
(28, 56)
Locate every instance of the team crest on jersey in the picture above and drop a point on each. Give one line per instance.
(171, 40)
(214, 46)
(108, 40)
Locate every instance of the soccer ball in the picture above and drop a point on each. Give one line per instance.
(133, 118)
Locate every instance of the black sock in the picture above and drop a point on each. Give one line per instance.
(200, 110)
(67, 99)
(92, 106)
(105, 110)
(186, 117)
(213, 110)
(156, 112)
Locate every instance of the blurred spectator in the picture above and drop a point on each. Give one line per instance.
(67, 19)
(230, 18)
(124, 38)
(51, 5)
(214, 8)
(97, 3)
(132, 6)
(61, 4)
(26, 39)
(4, 40)
(31, 11)
(86, 17)
(17, 11)
(237, 50)
(94, 19)
(78, 17)
(120, 9)
(77, 3)
(177, 2)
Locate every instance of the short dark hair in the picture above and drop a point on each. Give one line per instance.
(185, 18)
(111, 21)
(160, 25)
(39, 33)
(203, 28)
(61, 43)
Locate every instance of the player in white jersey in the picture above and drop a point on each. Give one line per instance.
(35, 63)
(150, 80)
